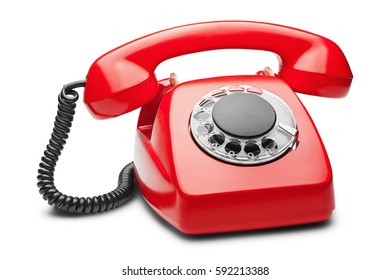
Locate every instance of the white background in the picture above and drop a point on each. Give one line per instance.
(45, 44)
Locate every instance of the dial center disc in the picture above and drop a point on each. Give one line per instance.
(244, 115)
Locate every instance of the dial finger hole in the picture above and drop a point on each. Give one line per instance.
(269, 144)
(216, 139)
(204, 129)
(207, 103)
(219, 94)
(201, 116)
(252, 149)
(233, 147)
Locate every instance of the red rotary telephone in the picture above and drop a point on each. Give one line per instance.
(218, 154)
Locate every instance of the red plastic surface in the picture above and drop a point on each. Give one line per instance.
(123, 79)
(199, 194)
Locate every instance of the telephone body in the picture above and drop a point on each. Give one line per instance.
(226, 153)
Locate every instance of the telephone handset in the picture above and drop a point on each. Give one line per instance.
(218, 154)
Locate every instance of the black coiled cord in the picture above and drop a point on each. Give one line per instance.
(76, 205)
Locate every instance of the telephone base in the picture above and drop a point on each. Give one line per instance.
(200, 194)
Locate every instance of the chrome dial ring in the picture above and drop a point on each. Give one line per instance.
(231, 148)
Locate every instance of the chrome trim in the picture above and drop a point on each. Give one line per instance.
(283, 133)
